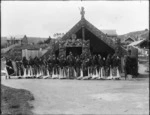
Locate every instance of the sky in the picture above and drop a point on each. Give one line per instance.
(45, 18)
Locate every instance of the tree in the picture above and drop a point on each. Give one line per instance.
(40, 42)
(59, 35)
(48, 40)
(2, 46)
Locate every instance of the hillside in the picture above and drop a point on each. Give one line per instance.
(34, 40)
(16, 52)
(3, 40)
(136, 35)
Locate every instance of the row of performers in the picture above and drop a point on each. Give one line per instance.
(93, 67)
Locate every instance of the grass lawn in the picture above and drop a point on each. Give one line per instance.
(15, 101)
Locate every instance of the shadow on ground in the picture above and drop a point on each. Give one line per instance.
(143, 76)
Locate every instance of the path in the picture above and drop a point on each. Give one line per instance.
(86, 97)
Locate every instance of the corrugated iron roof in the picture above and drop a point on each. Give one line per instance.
(136, 43)
(129, 38)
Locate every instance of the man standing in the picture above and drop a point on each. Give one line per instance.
(50, 67)
(129, 65)
(71, 63)
(108, 65)
(128, 62)
(9, 67)
(78, 66)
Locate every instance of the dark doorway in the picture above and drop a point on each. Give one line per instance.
(97, 46)
(75, 51)
(56, 53)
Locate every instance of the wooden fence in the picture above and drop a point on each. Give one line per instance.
(33, 53)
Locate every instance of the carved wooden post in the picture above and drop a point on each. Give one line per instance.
(83, 33)
(82, 12)
(118, 50)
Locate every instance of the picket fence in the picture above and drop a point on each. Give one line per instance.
(33, 53)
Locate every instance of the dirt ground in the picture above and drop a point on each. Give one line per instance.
(87, 97)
